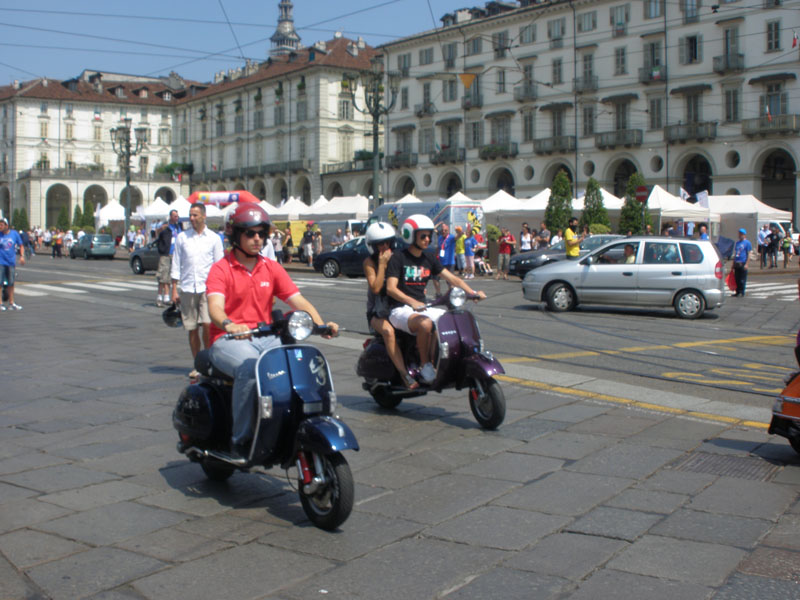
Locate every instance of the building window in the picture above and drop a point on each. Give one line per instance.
(238, 123)
(555, 32)
(43, 108)
(475, 134)
(43, 129)
(501, 130)
(278, 148)
(693, 104)
(653, 9)
(426, 94)
(426, 140)
(68, 108)
(474, 46)
(655, 112)
(500, 44)
(559, 117)
(98, 133)
(279, 115)
(404, 64)
(527, 34)
(98, 160)
(775, 99)
(528, 121)
(164, 137)
(404, 141)
(220, 128)
(302, 110)
(773, 36)
(620, 15)
(449, 136)
(620, 61)
(587, 21)
(258, 119)
(143, 161)
(69, 131)
(239, 152)
(143, 114)
(123, 112)
(501, 81)
(345, 110)
(527, 75)
(184, 135)
(449, 90)
(449, 54)
(732, 105)
(588, 68)
(588, 120)
(301, 146)
(426, 56)
(652, 54)
(44, 162)
(404, 98)
(203, 131)
(98, 114)
(689, 9)
(690, 49)
(621, 112)
(558, 76)
(69, 161)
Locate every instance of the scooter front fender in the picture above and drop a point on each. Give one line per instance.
(325, 435)
(481, 366)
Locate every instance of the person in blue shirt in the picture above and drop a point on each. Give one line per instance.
(703, 232)
(741, 253)
(9, 242)
(469, 253)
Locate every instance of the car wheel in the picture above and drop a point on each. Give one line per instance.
(136, 266)
(330, 268)
(560, 297)
(690, 304)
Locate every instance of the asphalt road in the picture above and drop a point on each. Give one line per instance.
(738, 354)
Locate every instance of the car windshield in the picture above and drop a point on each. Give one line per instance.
(351, 245)
(102, 238)
(594, 241)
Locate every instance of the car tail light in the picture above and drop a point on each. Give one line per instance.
(718, 270)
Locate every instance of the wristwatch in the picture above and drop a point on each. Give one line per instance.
(226, 322)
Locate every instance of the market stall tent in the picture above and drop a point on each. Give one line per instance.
(746, 212)
(113, 211)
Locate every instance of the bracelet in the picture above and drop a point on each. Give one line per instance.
(226, 322)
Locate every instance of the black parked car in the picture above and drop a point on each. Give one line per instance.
(346, 259)
(144, 259)
(524, 262)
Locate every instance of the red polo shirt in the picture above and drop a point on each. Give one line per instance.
(249, 295)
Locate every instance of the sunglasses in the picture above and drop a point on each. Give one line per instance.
(425, 235)
(251, 233)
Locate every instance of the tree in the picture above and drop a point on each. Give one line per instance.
(63, 219)
(594, 211)
(77, 217)
(21, 220)
(88, 215)
(559, 206)
(14, 218)
(630, 217)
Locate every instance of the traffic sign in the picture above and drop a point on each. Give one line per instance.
(642, 193)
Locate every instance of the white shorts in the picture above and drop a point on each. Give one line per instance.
(400, 315)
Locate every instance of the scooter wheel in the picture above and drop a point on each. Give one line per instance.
(489, 410)
(217, 470)
(385, 399)
(331, 504)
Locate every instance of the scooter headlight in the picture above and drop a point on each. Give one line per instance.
(300, 325)
(457, 297)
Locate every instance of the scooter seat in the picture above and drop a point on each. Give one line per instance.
(203, 364)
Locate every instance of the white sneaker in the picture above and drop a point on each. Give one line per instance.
(14, 307)
(428, 373)
(2, 307)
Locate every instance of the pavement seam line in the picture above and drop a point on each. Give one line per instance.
(637, 403)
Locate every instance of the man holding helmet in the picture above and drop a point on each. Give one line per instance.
(241, 289)
(408, 273)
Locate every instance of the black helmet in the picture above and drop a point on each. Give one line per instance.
(172, 316)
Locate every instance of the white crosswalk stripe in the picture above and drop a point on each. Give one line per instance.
(47, 288)
(98, 286)
(782, 292)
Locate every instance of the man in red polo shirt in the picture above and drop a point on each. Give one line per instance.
(241, 289)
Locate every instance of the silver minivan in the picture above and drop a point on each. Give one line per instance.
(637, 271)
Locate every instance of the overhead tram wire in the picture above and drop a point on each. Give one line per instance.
(233, 33)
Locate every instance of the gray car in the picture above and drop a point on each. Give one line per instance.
(94, 245)
(637, 271)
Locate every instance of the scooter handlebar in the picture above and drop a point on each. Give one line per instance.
(260, 331)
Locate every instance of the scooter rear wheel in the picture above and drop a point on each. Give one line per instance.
(217, 470)
(330, 505)
(490, 408)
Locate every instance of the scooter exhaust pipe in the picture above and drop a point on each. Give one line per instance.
(238, 462)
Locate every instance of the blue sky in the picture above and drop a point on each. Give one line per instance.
(57, 39)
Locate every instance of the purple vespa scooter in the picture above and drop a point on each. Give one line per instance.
(461, 362)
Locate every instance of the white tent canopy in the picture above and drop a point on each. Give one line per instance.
(539, 200)
(672, 207)
(293, 208)
(182, 205)
(408, 199)
(610, 201)
(744, 211)
(157, 210)
(113, 211)
(501, 201)
(319, 204)
(357, 206)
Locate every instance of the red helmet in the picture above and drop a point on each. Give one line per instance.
(246, 215)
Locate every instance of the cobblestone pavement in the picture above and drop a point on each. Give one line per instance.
(569, 498)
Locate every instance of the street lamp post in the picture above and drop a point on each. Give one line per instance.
(374, 105)
(121, 144)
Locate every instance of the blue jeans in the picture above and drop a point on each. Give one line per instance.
(237, 359)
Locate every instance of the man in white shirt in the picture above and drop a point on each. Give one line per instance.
(196, 249)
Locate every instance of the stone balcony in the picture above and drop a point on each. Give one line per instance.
(586, 84)
(702, 131)
(776, 125)
(653, 73)
(402, 160)
(447, 155)
(526, 92)
(728, 63)
(618, 137)
(495, 151)
(559, 143)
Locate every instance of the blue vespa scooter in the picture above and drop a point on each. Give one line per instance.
(296, 423)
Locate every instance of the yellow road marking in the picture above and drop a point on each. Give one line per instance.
(627, 401)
